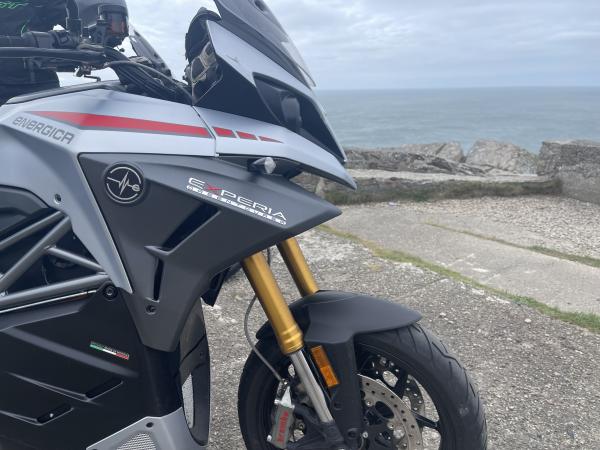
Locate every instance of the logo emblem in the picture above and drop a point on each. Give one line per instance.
(124, 184)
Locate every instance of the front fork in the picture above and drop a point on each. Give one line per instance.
(288, 333)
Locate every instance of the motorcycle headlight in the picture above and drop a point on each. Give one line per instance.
(283, 104)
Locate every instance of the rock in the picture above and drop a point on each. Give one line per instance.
(527, 321)
(555, 155)
(452, 151)
(576, 164)
(503, 156)
(412, 158)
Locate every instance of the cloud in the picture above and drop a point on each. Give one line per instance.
(411, 43)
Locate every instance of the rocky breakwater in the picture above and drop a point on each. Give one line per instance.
(576, 164)
(435, 171)
(493, 155)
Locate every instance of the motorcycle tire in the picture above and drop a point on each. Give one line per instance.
(413, 352)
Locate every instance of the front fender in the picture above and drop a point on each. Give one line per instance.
(333, 319)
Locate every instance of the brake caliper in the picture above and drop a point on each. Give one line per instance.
(284, 419)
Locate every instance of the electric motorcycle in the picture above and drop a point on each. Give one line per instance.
(123, 204)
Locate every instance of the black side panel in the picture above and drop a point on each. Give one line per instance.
(168, 275)
(60, 390)
(195, 369)
(333, 319)
(18, 207)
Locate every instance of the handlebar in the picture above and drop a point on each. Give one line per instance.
(42, 40)
(52, 44)
(85, 56)
(14, 41)
(62, 45)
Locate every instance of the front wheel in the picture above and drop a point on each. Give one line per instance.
(416, 395)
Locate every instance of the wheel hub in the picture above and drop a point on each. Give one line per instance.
(390, 422)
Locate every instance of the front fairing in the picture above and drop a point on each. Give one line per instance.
(257, 63)
(281, 143)
(249, 138)
(253, 22)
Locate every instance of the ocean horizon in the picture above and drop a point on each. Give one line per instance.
(525, 116)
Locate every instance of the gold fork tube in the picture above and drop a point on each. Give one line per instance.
(298, 267)
(288, 333)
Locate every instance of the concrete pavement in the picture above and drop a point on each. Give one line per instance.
(441, 238)
(538, 376)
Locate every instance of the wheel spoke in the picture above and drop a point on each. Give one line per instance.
(381, 427)
(424, 422)
(365, 359)
(400, 386)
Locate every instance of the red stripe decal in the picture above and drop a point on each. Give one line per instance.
(248, 136)
(116, 123)
(268, 139)
(224, 132)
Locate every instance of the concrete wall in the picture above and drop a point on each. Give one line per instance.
(576, 164)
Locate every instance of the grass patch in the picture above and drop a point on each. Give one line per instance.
(588, 321)
(588, 261)
(398, 189)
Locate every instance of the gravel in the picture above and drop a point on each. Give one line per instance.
(539, 378)
(557, 223)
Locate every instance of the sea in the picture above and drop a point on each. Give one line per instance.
(525, 116)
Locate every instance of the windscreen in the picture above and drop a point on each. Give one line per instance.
(253, 21)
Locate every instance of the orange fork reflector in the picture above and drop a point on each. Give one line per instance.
(322, 361)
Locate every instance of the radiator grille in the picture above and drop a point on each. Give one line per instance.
(141, 441)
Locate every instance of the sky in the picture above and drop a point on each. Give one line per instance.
(383, 44)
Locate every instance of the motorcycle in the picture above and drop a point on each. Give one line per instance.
(124, 204)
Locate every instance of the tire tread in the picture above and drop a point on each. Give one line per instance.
(435, 353)
(413, 343)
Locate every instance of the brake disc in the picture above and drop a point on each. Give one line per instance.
(395, 426)
(388, 372)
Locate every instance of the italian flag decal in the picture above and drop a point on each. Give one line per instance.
(109, 350)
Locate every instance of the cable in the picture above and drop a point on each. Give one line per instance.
(136, 74)
(130, 73)
(161, 75)
(249, 338)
